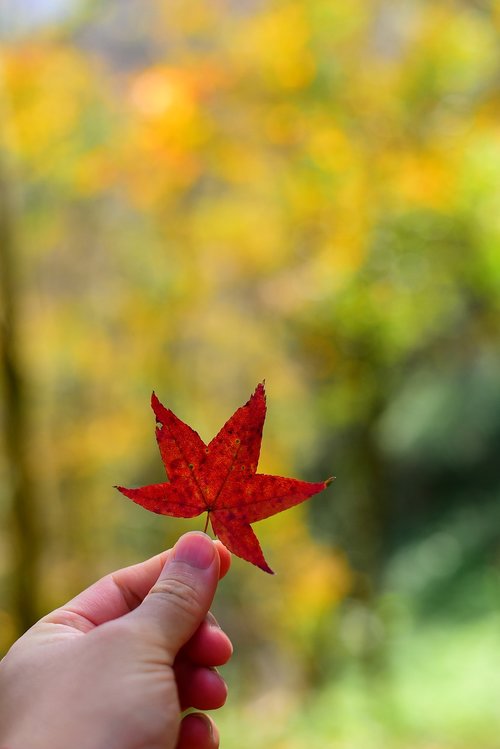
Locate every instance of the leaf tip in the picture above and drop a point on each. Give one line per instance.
(329, 481)
(261, 388)
(259, 394)
(263, 565)
(158, 409)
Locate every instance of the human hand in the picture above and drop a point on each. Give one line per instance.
(114, 668)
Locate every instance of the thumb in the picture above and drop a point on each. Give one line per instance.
(181, 597)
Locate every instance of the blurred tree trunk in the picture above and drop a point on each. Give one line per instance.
(22, 526)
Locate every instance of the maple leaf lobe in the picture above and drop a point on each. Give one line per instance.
(221, 478)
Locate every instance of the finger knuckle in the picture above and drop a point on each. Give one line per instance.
(181, 595)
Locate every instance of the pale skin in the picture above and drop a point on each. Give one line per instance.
(116, 666)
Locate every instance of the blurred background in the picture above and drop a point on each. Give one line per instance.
(195, 196)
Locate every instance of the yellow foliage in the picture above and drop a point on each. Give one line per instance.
(313, 579)
(48, 86)
(277, 44)
(330, 148)
(164, 93)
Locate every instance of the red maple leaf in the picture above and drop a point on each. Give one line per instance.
(221, 478)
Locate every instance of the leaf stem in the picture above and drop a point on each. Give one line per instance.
(206, 523)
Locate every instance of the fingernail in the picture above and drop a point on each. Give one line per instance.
(195, 549)
(212, 621)
(204, 719)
